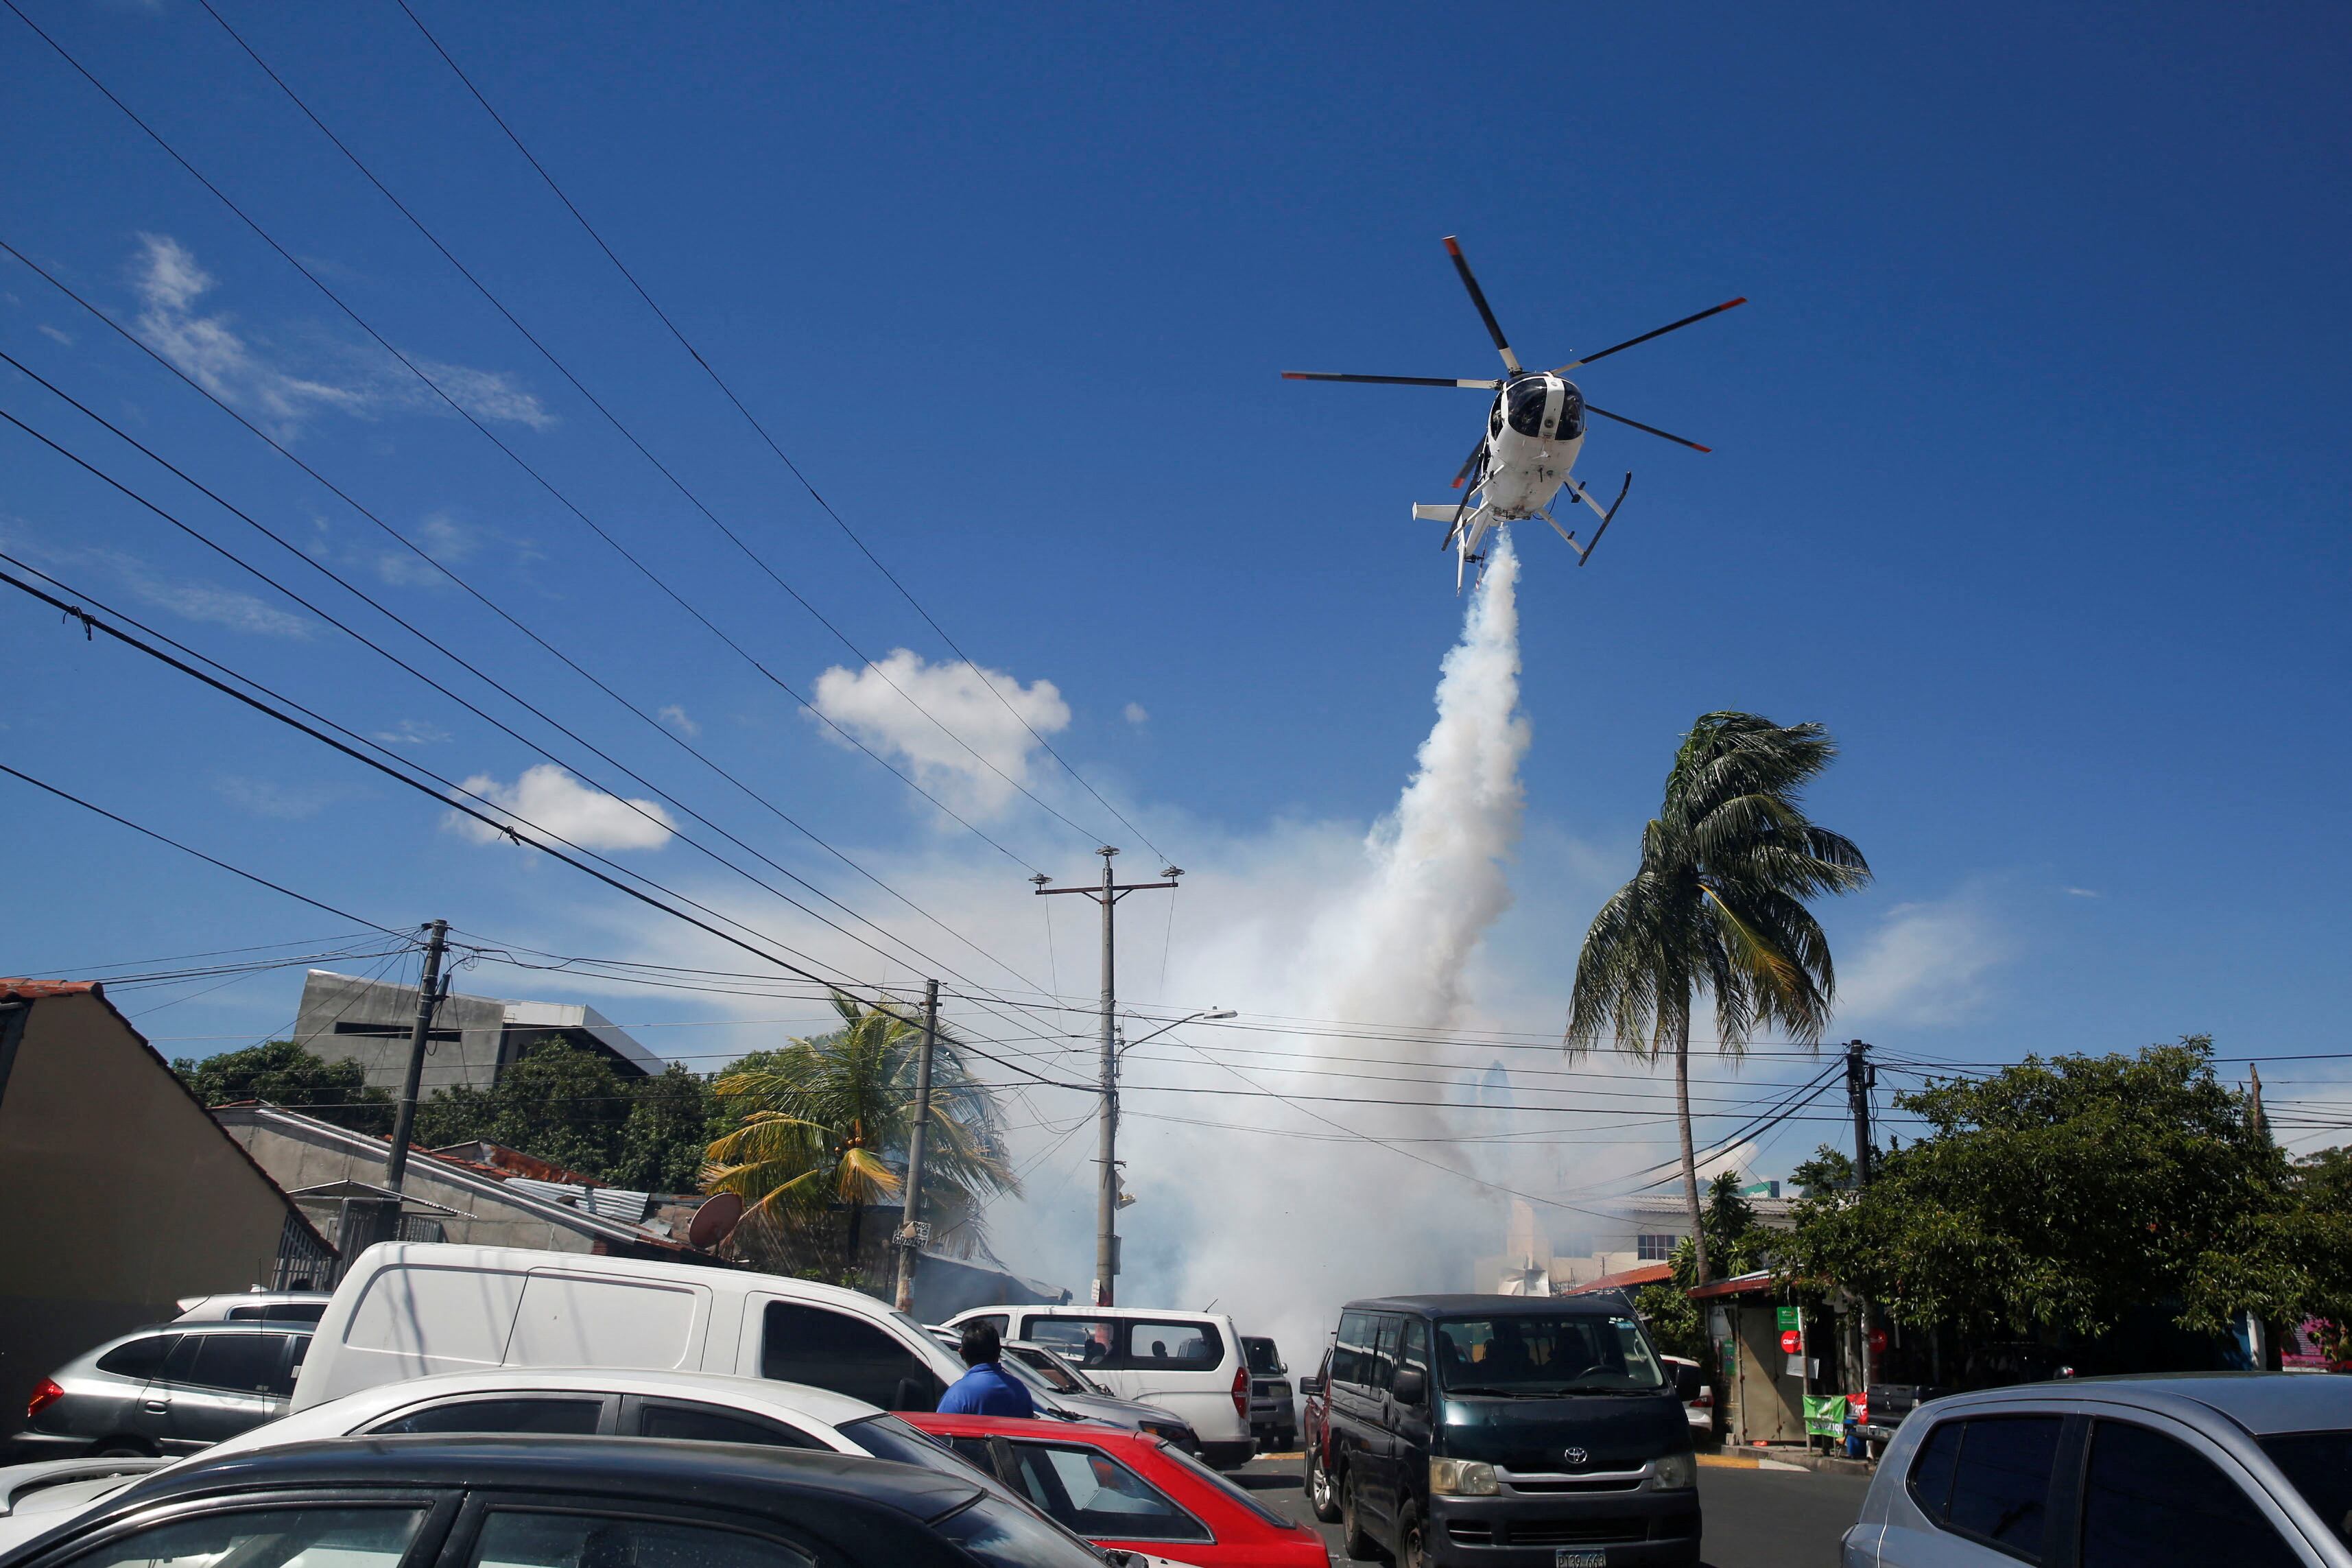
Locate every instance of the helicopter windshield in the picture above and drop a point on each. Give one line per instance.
(1526, 404)
(1571, 414)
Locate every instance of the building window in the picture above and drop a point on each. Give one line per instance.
(1652, 1249)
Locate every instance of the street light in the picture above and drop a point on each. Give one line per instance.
(1213, 1013)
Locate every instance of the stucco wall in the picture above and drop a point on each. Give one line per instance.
(473, 1059)
(117, 1194)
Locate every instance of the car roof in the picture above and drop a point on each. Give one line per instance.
(720, 1474)
(818, 1403)
(2262, 1403)
(1079, 1310)
(1492, 1305)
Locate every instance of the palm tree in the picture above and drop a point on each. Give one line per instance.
(824, 1123)
(1718, 905)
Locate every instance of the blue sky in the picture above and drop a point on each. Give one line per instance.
(2029, 474)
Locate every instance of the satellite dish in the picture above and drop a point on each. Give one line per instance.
(715, 1221)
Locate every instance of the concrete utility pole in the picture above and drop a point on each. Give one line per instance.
(428, 998)
(1861, 1078)
(912, 1230)
(1106, 1197)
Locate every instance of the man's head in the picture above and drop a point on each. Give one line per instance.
(981, 1344)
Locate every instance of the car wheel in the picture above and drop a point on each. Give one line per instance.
(123, 1448)
(1410, 1544)
(1318, 1489)
(1358, 1545)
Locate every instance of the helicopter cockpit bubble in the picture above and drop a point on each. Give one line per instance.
(1571, 413)
(1525, 399)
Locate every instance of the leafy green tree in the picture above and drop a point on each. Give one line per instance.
(673, 1118)
(566, 1104)
(283, 1073)
(2063, 1194)
(1717, 906)
(1737, 1243)
(822, 1124)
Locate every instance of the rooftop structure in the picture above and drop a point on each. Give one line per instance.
(346, 1017)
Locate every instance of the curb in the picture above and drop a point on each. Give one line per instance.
(1743, 1462)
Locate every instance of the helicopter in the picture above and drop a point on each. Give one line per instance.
(1527, 453)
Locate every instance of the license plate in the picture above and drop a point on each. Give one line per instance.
(1565, 1557)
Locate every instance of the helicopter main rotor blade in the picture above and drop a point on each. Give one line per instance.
(1470, 462)
(1478, 298)
(1390, 380)
(1645, 337)
(1652, 429)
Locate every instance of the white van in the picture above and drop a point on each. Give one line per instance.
(409, 1310)
(1191, 1362)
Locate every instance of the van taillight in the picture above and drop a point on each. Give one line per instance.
(1241, 1394)
(45, 1393)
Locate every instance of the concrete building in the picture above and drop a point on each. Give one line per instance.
(117, 1194)
(1612, 1236)
(473, 1193)
(346, 1017)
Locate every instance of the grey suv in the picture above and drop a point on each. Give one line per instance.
(1274, 1414)
(168, 1390)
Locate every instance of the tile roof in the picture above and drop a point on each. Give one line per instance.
(29, 989)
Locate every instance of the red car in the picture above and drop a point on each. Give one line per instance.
(1130, 1490)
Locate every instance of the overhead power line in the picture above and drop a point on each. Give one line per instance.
(752, 420)
(492, 437)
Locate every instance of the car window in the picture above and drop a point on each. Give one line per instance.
(681, 1420)
(1193, 1346)
(246, 1363)
(1930, 1482)
(2320, 1466)
(815, 1345)
(1099, 1498)
(1002, 1534)
(1351, 1354)
(1263, 1358)
(2000, 1488)
(1413, 1349)
(268, 1538)
(280, 1312)
(139, 1358)
(2149, 1501)
(543, 1417)
(1384, 1348)
(1086, 1341)
(514, 1539)
(999, 1321)
(1050, 1367)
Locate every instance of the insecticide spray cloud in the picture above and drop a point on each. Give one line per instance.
(1307, 1220)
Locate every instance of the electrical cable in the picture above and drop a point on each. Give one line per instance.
(728, 392)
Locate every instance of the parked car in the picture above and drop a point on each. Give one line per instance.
(1999, 1365)
(171, 1389)
(1314, 1433)
(35, 1498)
(1076, 1394)
(409, 1310)
(2253, 1469)
(261, 1306)
(1188, 1363)
(1462, 1426)
(1698, 1409)
(1274, 1418)
(1132, 1492)
(449, 1502)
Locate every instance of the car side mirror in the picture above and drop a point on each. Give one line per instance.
(1409, 1385)
(915, 1393)
(1310, 1384)
(1688, 1384)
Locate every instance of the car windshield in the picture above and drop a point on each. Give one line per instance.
(1047, 1368)
(2320, 1466)
(1263, 1358)
(1539, 1355)
(1005, 1536)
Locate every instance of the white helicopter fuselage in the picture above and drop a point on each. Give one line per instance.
(1524, 470)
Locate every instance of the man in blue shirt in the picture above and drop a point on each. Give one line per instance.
(987, 1389)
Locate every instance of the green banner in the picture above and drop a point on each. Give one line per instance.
(1825, 1414)
(1788, 1319)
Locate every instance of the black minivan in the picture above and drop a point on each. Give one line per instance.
(1511, 1431)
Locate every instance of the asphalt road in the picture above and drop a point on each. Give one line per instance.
(1753, 1518)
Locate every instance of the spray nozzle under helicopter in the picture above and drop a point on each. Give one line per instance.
(1534, 432)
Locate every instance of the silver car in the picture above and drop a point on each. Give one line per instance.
(1274, 1412)
(2247, 1469)
(1077, 1394)
(171, 1389)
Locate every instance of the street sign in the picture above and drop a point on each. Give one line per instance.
(1787, 1316)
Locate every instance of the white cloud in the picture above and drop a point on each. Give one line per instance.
(57, 334)
(677, 717)
(266, 797)
(442, 538)
(548, 801)
(249, 375)
(904, 708)
(1926, 963)
(413, 732)
(2084, 893)
(1134, 713)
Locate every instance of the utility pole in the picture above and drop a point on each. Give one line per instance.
(1108, 895)
(428, 998)
(1861, 1078)
(912, 1231)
